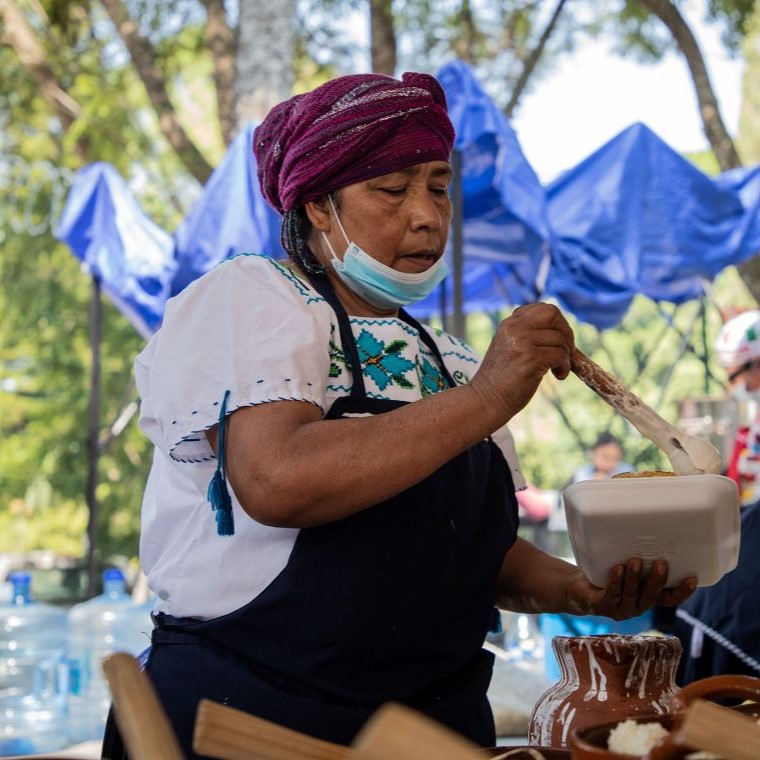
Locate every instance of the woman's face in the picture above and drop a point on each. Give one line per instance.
(401, 219)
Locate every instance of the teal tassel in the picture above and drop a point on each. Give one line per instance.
(218, 494)
(221, 503)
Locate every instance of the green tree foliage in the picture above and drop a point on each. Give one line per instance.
(640, 34)
(496, 38)
(45, 354)
(44, 361)
(749, 117)
(737, 15)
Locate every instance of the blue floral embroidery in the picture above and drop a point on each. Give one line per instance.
(383, 362)
(431, 379)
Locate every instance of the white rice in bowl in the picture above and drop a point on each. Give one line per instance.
(632, 738)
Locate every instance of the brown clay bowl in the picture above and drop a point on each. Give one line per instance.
(590, 743)
(716, 687)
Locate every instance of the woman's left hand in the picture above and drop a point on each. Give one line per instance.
(629, 592)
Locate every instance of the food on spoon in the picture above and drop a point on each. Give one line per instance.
(645, 474)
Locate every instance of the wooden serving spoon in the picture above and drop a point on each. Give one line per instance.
(688, 454)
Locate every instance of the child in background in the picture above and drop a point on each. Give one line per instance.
(606, 460)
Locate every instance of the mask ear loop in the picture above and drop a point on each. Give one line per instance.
(329, 245)
(337, 219)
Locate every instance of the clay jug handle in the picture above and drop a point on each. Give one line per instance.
(743, 687)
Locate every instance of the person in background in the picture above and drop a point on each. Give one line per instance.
(329, 520)
(737, 349)
(719, 626)
(606, 460)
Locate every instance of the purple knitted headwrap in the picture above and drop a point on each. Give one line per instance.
(350, 129)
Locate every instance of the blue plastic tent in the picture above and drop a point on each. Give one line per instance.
(636, 217)
(230, 217)
(131, 256)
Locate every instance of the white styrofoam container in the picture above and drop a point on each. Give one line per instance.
(692, 521)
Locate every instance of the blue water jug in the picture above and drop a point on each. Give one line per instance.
(111, 622)
(33, 673)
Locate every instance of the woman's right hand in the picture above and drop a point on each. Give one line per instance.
(533, 340)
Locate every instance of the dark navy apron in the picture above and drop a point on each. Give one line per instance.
(391, 603)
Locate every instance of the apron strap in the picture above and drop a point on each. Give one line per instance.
(322, 285)
(429, 342)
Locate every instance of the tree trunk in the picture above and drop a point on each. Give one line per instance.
(715, 130)
(749, 115)
(17, 33)
(465, 44)
(532, 60)
(382, 37)
(222, 44)
(144, 60)
(265, 57)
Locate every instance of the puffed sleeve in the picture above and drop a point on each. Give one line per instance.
(249, 328)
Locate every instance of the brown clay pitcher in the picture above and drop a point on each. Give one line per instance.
(604, 678)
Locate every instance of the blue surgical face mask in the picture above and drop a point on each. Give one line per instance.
(377, 283)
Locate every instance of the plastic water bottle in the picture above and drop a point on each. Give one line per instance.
(33, 673)
(108, 623)
(134, 625)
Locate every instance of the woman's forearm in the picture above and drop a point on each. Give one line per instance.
(533, 581)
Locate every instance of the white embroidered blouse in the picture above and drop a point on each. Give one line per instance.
(253, 328)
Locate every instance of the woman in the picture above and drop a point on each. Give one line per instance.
(364, 521)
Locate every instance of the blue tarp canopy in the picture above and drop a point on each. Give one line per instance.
(637, 217)
(131, 256)
(634, 217)
(230, 217)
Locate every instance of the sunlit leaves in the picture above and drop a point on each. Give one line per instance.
(737, 14)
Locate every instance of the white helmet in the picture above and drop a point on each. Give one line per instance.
(739, 340)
